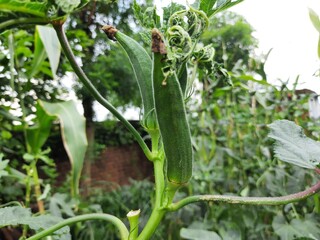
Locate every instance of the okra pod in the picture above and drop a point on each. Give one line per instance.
(171, 116)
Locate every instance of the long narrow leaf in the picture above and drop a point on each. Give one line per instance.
(39, 54)
(314, 17)
(51, 45)
(73, 136)
(38, 134)
(319, 47)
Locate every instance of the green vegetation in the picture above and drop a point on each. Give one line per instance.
(218, 135)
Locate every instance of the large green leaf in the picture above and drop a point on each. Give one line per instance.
(51, 45)
(22, 216)
(36, 8)
(73, 136)
(296, 228)
(38, 134)
(198, 234)
(293, 146)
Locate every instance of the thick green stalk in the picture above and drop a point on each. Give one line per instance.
(58, 26)
(158, 211)
(94, 216)
(247, 200)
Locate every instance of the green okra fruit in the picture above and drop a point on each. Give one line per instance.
(141, 64)
(171, 116)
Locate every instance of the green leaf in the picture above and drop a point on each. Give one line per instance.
(3, 166)
(36, 8)
(67, 5)
(61, 203)
(39, 54)
(213, 7)
(207, 6)
(38, 134)
(314, 17)
(73, 135)
(28, 157)
(198, 234)
(296, 228)
(293, 146)
(22, 216)
(13, 215)
(52, 46)
(319, 47)
(6, 134)
(45, 192)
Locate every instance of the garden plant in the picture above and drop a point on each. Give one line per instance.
(166, 78)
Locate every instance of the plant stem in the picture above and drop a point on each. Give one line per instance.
(247, 200)
(11, 53)
(158, 210)
(28, 196)
(58, 26)
(94, 216)
(152, 224)
(37, 188)
(12, 22)
(133, 217)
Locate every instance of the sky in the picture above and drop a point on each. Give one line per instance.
(285, 27)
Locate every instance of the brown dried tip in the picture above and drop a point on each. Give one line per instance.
(158, 45)
(110, 31)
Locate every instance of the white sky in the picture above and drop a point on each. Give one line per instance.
(285, 26)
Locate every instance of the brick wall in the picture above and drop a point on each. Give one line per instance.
(119, 164)
(115, 164)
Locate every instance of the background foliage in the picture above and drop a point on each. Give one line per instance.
(232, 152)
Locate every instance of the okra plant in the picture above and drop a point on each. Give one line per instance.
(165, 82)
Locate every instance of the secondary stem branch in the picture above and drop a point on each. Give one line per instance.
(18, 21)
(95, 216)
(247, 200)
(58, 26)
